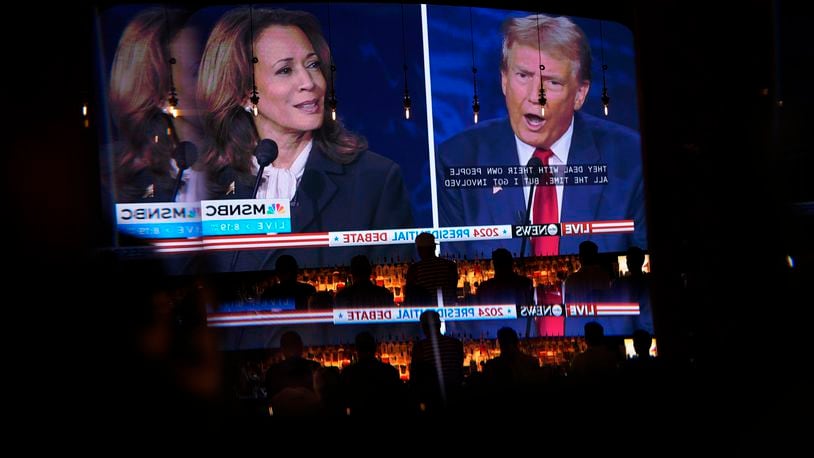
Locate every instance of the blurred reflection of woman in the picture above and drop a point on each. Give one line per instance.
(142, 83)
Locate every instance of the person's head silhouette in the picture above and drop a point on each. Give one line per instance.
(365, 345)
(503, 262)
(286, 268)
(635, 260)
(594, 334)
(588, 253)
(430, 322)
(508, 340)
(642, 340)
(360, 268)
(425, 245)
(291, 345)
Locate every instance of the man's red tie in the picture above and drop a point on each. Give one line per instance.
(545, 210)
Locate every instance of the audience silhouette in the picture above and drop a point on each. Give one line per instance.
(363, 293)
(588, 285)
(597, 364)
(513, 369)
(429, 275)
(437, 364)
(372, 388)
(289, 289)
(290, 383)
(507, 286)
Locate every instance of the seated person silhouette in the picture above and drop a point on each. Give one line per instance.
(437, 363)
(513, 368)
(436, 370)
(642, 341)
(363, 293)
(429, 275)
(290, 383)
(372, 388)
(588, 285)
(507, 287)
(289, 289)
(597, 363)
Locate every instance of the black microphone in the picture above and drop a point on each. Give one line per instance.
(533, 171)
(185, 154)
(266, 152)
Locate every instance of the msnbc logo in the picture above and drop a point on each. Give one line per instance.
(154, 212)
(276, 209)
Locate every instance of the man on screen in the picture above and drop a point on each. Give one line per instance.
(561, 136)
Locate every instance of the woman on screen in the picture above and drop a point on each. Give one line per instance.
(327, 173)
(152, 98)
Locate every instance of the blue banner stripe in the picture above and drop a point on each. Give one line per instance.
(162, 230)
(247, 226)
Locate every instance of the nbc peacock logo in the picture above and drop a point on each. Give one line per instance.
(276, 209)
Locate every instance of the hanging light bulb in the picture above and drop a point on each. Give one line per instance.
(255, 99)
(542, 100)
(475, 103)
(475, 109)
(605, 98)
(406, 105)
(332, 103)
(406, 100)
(85, 109)
(172, 101)
(332, 106)
(332, 99)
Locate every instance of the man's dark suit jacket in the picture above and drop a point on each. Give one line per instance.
(594, 140)
(368, 193)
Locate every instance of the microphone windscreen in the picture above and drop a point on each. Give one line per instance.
(185, 154)
(266, 152)
(534, 165)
